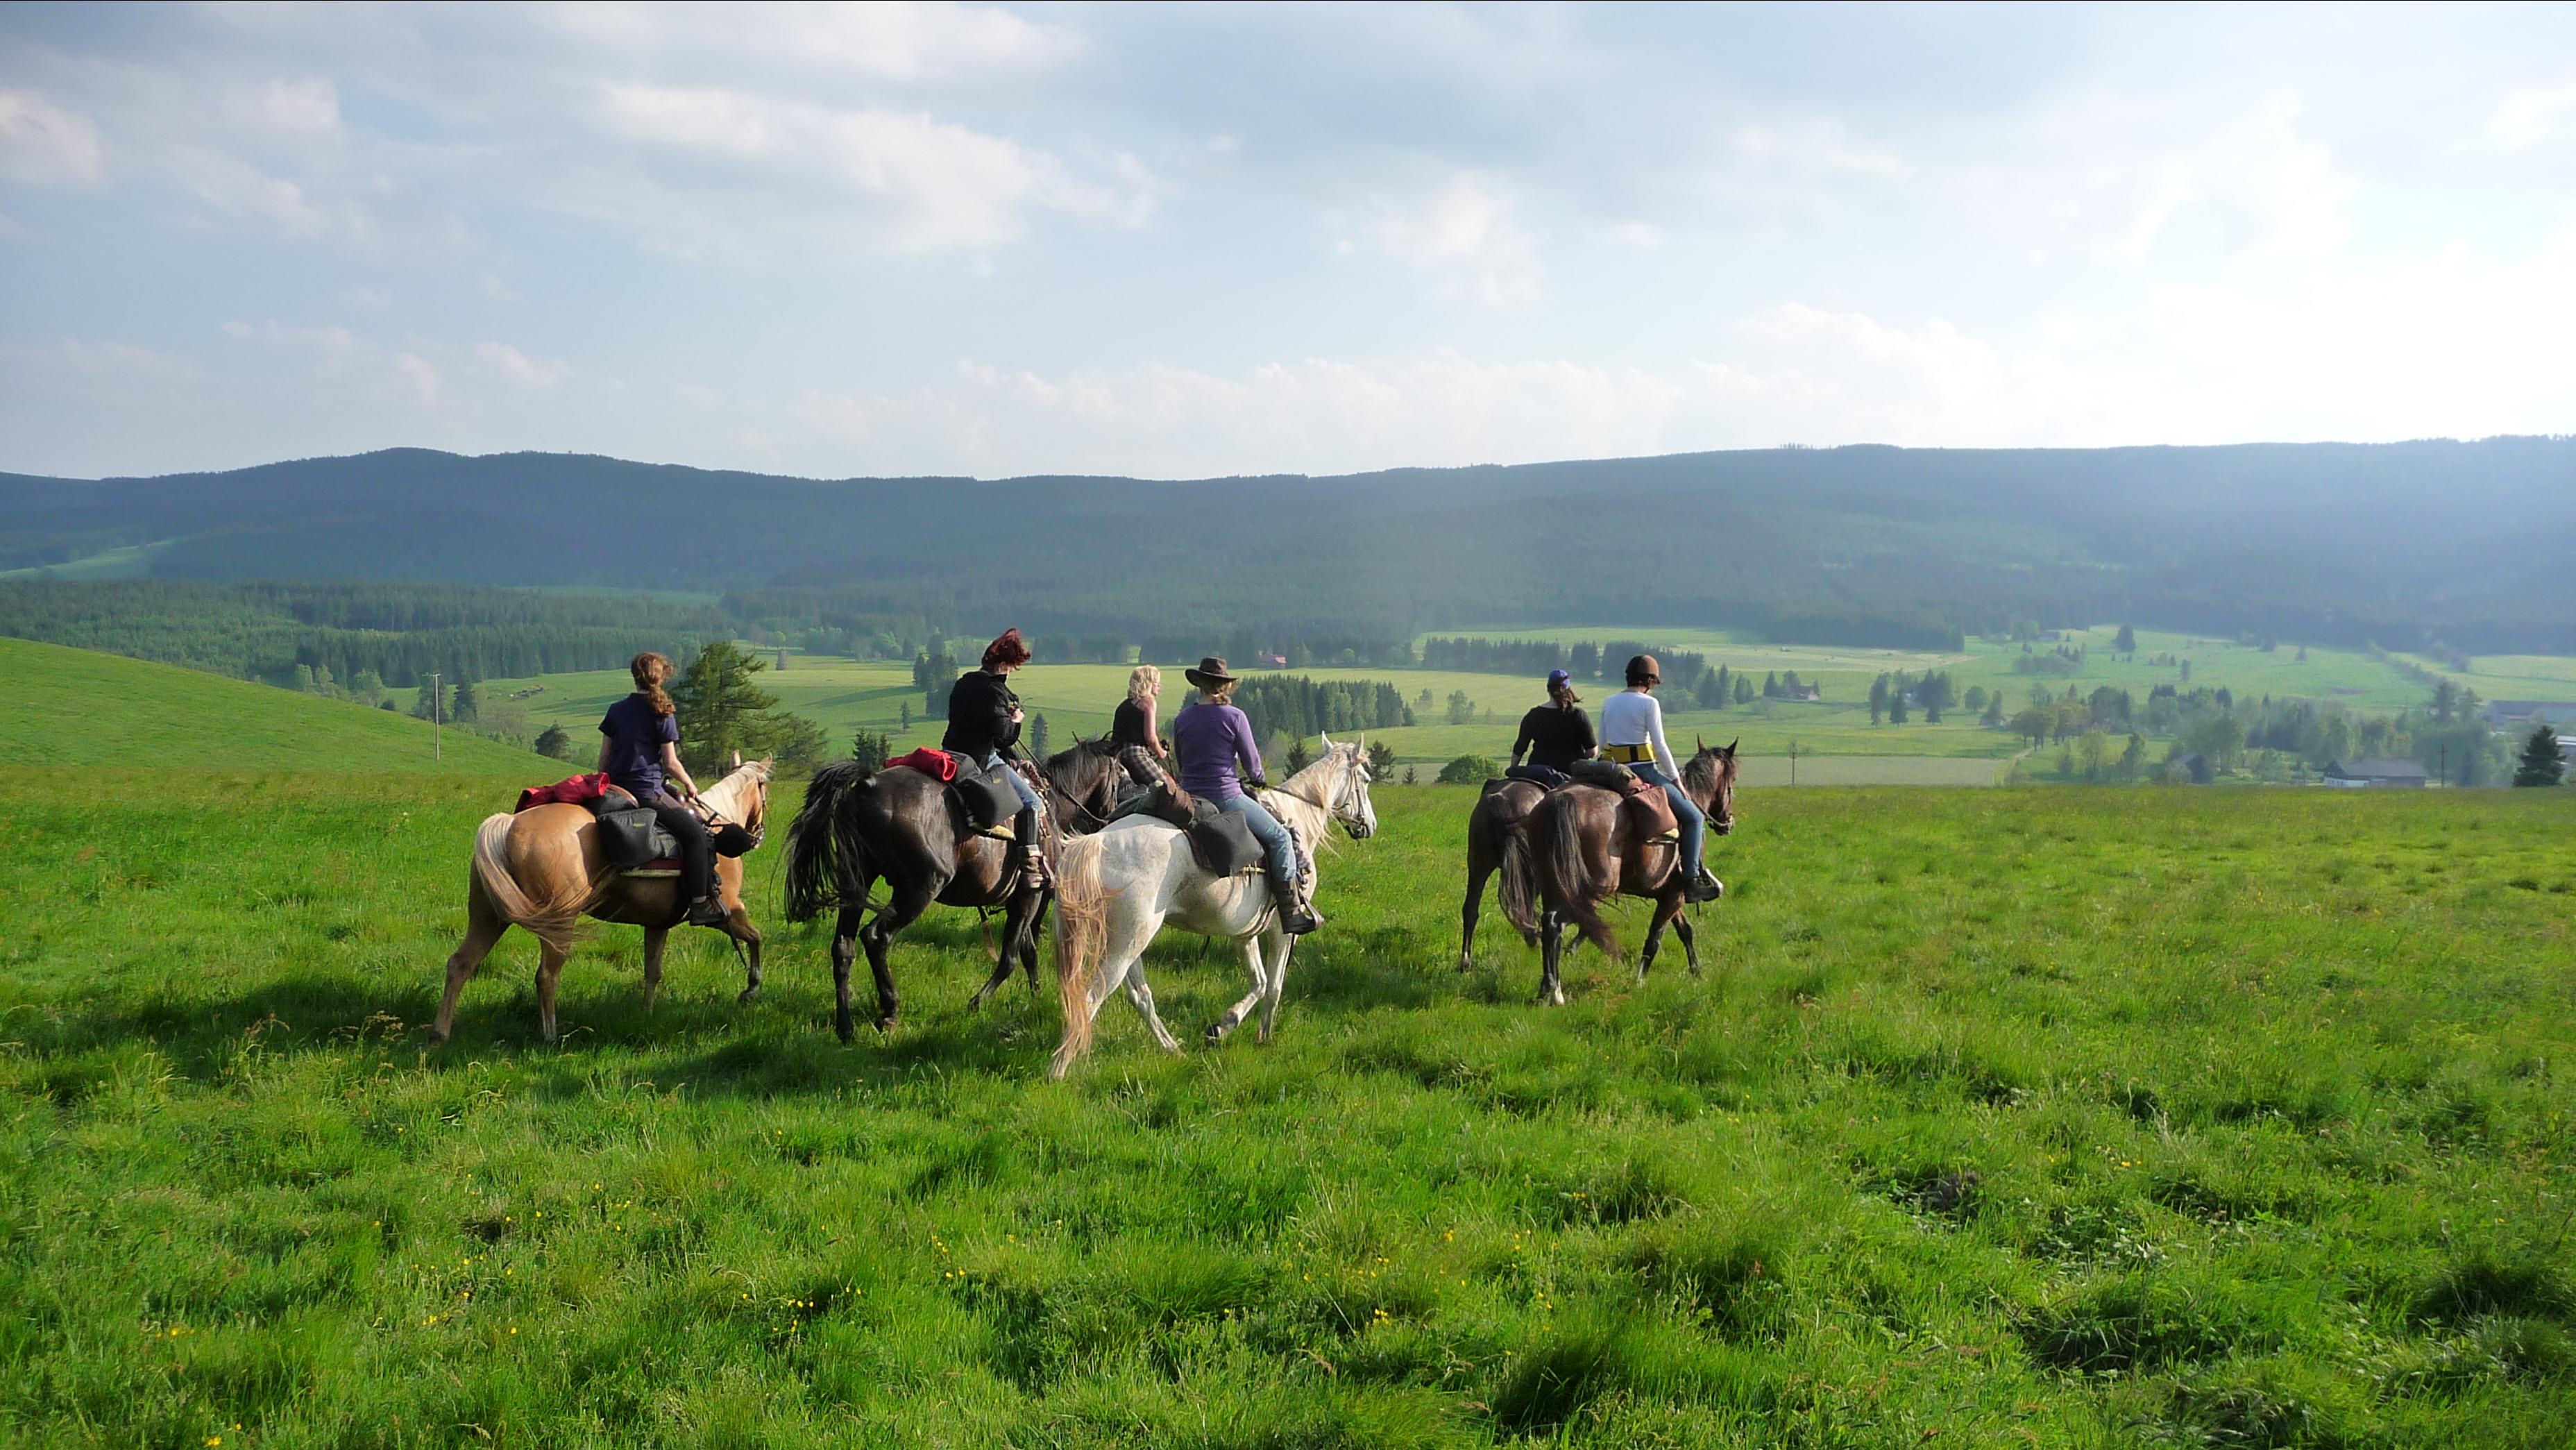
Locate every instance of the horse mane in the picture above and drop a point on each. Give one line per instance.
(732, 796)
(1704, 772)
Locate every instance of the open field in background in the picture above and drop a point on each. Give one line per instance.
(2070, 1117)
(71, 707)
(2513, 677)
(846, 695)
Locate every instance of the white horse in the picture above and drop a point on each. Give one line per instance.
(1116, 889)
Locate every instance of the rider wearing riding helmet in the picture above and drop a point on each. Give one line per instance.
(984, 726)
(1210, 737)
(1553, 735)
(639, 748)
(1632, 724)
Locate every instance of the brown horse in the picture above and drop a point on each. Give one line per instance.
(1498, 840)
(541, 869)
(860, 825)
(1586, 850)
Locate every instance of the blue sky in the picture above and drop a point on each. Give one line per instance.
(1180, 241)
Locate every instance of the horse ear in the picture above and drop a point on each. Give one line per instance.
(1730, 746)
(1702, 741)
(1327, 739)
(737, 760)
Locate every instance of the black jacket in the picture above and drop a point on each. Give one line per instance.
(979, 716)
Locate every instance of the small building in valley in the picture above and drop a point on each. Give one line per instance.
(1811, 692)
(2387, 773)
(2508, 714)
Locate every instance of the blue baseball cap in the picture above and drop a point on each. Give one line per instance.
(1556, 678)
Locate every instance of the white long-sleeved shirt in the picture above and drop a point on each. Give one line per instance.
(1632, 717)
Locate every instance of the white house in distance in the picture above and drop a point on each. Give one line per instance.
(2386, 774)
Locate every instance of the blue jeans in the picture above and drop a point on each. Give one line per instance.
(1694, 825)
(994, 764)
(1274, 837)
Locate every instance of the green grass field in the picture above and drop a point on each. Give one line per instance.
(72, 707)
(848, 695)
(2072, 1117)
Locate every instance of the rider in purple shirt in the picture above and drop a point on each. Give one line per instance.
(1209, 738)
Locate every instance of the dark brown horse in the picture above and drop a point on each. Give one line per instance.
(1498, 840)
(1586, 850)
(861, 825)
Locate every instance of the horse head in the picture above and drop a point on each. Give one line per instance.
(1348, 791)
(1709, 780)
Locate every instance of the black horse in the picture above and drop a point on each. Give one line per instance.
(861, 824)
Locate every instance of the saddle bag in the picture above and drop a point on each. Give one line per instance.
(988, 799)
(632, 838)
(1222, 842)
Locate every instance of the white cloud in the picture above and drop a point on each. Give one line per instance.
(899, 179)
(99, 358)
(2529, 115)
(518, 369)
(1463, 233)
(892, 40)
(43, 144)
(236, 188)
(346, 361)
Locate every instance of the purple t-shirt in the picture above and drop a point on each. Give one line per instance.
(636, 735)
(1207, 740)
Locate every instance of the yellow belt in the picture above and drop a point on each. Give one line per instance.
(1629, 754)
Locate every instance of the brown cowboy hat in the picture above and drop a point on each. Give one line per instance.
(1210, 674)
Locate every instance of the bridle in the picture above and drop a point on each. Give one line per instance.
(1331, 811)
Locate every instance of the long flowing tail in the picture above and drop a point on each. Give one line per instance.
(825, 854)
(555, 920)
(1081, 930)
(1567, 884)
(1518, 887)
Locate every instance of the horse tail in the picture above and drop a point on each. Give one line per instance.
(555, 921)
(1567, 884)
(825, 854)
(1519, 885)
(1081, 930)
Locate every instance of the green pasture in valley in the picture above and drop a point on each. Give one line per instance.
(73, 707)
(2065, 1118)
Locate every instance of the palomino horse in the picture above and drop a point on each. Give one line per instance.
(1121, 885)
(861, 824)
(1498, 840)
(1586, 853)
(541, 869)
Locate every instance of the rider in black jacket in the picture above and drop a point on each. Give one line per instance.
(984, 726)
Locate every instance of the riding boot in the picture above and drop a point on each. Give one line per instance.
(1029, 851)
(1703, 887)
(708, 910)
(1296, 914)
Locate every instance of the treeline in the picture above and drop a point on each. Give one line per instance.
(1298, 707)
(291, 634)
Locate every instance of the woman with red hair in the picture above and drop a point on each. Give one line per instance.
(984, 726)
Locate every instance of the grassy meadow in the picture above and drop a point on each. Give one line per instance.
(2069, 1117)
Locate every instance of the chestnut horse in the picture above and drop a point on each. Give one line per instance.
(1586, 852)
(541, 870)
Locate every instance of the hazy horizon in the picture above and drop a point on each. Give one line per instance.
(1190, 243)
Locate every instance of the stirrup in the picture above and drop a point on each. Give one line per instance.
(709, 912)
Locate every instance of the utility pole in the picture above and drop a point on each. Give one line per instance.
(2446, 764)
(437, 707)
(1793, 762)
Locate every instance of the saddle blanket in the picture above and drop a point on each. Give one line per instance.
(580, 790)
(938, 764)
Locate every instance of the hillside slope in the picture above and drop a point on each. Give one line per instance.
(2399, 544)
(78, 708)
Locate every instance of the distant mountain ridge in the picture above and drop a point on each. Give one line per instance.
(2409, 544)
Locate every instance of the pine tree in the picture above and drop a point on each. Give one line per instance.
(1877, 699)
(1038, 734)
(871, 746)
(465, 705)
(1744, 689)
(554, 742)
(1994, 710)
(1381, 760)
(2540, 763)
(2127, 643)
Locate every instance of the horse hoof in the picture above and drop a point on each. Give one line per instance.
(1215, 1033)
(975, 1003)
(748, 996)
(885, 1023)
(437, 1039)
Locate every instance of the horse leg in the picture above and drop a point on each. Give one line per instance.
(845, 945)
(1690, 948)
(1018, 930)
(1142, 994)
(738, 926)
(1281, 944)
(1668, 909)
(909, 902)
(655, 937)
(1219, 1029)
(1477, 873)
(1121, 954)
(483, 928)
(550, 964)
(1551, 953)
(1029, 945)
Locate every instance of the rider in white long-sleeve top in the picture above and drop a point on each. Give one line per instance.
(1632, 731)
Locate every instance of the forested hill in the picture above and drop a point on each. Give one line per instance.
(2465, 544)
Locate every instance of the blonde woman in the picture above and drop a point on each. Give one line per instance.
(1134, 724)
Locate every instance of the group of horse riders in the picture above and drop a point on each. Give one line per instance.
(1557, 735)
(1212, 745)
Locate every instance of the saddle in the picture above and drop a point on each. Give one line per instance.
(1220, 841)
(1643, 805)
(634, 842)
(988, 801)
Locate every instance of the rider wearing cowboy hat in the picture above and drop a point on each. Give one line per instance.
(1210, 737)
